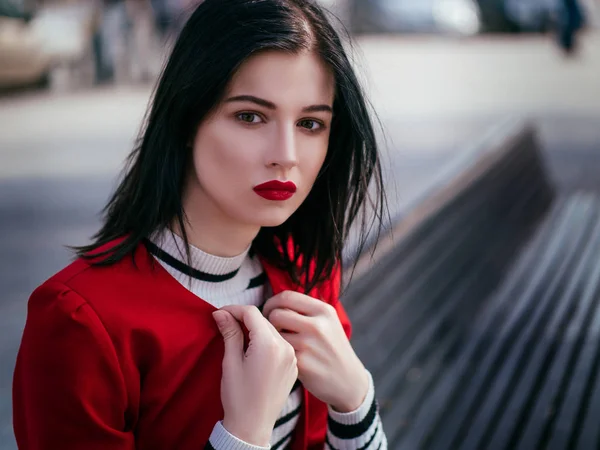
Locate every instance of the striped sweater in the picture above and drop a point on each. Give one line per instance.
(240, 280)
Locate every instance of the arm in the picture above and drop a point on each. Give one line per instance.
(361, 428)
(68, 390)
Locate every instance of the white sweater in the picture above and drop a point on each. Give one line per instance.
(241, 280)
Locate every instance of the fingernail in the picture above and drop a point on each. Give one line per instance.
(220, 317)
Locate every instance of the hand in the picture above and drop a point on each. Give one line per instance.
(327, 364)
(256, 383)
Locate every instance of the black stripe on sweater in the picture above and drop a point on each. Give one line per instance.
(209, 446)
(289, 416)
(295, 386)
(342, 431)
(282, 440)
(364, 447)
(257, 281)
(328, 442)
(184, 268)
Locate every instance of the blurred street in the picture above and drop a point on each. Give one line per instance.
(60, 152)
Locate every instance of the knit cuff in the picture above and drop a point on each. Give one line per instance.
(358, 415)
(221, 439)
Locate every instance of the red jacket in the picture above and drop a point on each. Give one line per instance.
(124, 357)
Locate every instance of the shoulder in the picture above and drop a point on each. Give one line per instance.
(54, 310)
(64, 341)
(62, 328)
(81, 280)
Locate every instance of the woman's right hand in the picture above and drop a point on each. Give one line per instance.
(256, 383)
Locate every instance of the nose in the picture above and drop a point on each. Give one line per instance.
(283, 152)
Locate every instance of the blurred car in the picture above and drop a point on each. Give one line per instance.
(456, 17)
(22, 58)
(33, 43)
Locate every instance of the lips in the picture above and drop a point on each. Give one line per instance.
(276, 190)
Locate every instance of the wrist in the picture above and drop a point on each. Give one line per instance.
(249, 433)
(355, 396)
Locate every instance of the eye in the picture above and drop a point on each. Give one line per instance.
(248, 117)
(311, 125)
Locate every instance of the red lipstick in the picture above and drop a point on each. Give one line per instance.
(276, 190)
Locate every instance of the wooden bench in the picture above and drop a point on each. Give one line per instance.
(480, 324)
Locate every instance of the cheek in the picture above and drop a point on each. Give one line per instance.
(221, 154)
(313, 161)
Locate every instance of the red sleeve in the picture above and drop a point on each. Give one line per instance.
(317, 410)
(334, 296)
(68, 390)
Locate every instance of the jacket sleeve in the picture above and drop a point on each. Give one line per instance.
(68, 389)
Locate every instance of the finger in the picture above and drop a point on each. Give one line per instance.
(295, 340)
(252, 319)
(233, 336)
(302, 304)
(250, 316)
(286, 319)
(273, 329)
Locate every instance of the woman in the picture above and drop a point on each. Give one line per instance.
(255, 159)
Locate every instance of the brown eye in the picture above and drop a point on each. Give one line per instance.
(311, 125)
(248, 117)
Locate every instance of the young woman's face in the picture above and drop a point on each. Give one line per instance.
(272, 125)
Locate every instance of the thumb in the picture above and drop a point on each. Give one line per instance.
(232, 334)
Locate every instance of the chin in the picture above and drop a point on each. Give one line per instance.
(273, 222)
(271, 218)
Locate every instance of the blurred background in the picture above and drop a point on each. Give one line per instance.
(76, 77)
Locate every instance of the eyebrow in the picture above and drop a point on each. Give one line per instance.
(271, 105)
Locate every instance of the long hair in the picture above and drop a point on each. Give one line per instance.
(217, 38)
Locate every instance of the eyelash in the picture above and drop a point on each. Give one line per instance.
(321, 125)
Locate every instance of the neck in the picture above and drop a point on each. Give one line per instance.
(208, 229)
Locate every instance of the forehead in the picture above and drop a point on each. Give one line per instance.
(285, 79)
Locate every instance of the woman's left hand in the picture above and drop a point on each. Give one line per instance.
(327, 364)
